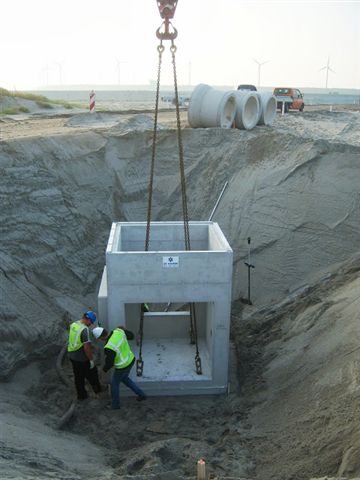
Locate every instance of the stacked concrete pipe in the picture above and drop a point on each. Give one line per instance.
(267, 112)
(250, 113)
(209, 107)
(247, 110)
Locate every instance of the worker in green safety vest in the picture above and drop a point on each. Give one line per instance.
(81, 355)
(118, 354)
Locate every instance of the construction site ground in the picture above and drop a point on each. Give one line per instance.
(294, 394)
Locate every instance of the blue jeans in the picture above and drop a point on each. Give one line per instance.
(122, 375)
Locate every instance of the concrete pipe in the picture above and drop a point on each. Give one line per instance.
(211, 108)
(247, 110)
(267, 108)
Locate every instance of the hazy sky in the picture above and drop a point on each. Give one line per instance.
(52, 42)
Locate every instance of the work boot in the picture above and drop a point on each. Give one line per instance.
(140, 398)
(81, 399)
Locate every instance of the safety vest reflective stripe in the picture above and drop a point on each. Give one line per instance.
(119, 344)
(75, 342)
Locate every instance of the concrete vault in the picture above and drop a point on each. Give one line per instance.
(166, 275)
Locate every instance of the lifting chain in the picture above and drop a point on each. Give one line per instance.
(167, 35)
(160, 48)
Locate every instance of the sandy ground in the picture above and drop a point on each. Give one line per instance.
(316, 119)
(20, 126)
(294, 385)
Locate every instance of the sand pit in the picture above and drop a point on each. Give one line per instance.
(293, 188)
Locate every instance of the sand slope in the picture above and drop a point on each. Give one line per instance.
(295, 196)
(293, 188)
(307, 352)
(30, 445)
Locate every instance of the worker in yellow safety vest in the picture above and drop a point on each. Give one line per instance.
(118, 354)
(81, 355)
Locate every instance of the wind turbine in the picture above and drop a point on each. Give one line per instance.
(259, 68)
(118, 68)
(327, 68)
(44, 75)
(60, 67)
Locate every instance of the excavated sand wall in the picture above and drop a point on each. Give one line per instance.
(296, 197)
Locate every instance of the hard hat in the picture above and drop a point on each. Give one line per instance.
(90, 316)
(97, 332)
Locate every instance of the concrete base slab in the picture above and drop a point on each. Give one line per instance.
(172, 359)
(169, 369)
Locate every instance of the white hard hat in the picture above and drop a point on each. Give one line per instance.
(97, 332)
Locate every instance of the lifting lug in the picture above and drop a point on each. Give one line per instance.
(139, 367)
(198, 364)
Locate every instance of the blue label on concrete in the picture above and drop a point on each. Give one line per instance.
(170, 262)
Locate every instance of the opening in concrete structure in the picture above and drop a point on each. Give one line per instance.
(131, 237)
(167, 351)
(167, 273)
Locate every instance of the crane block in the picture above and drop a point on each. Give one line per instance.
(167, 8)
(167, 11)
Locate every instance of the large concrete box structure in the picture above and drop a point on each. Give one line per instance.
(168, 274)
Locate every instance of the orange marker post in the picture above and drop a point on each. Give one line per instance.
(201, 469)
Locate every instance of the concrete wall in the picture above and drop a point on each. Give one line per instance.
(165, 324)
(132, 238)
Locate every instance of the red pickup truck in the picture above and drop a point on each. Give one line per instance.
(291, 98)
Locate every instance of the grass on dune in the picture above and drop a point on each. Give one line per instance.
(41, 101)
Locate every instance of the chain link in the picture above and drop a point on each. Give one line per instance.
(193, 323)
(160, 49)
(181, 154)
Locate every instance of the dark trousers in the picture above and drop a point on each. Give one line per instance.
(83, 371)
(121, 375)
